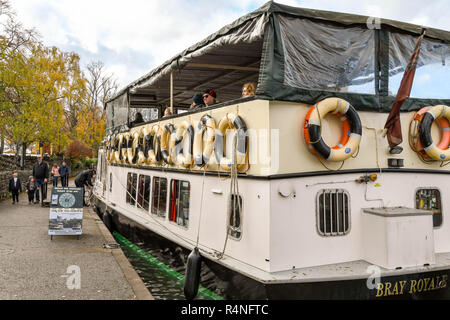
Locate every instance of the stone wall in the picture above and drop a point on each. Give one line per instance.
(23, 175)
(4, 182)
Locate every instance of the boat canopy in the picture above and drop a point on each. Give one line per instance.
(299, 55)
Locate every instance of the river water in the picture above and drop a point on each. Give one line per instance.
(161, 285)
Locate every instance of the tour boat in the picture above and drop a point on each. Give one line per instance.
(293, 192)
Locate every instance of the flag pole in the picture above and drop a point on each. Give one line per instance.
(393, 128)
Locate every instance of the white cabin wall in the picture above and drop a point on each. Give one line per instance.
(294, 237)
(252, 248)
(288, 118)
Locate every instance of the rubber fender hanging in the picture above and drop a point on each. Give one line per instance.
(431, 149)
(351, 129)
(204, 146)
(236, 122)
(165, 139)
(184, 157)
(107, 220)
(192, 278)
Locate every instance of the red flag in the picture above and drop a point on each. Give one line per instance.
(393, 126)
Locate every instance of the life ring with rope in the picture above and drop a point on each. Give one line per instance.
(152, 146)
(351, 129)
(204, 146)
(440, 114)
(184, 157)
(167, 142)
(231, 121)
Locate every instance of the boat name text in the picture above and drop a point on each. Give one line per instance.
(386, 289)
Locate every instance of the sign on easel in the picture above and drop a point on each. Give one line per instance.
(66, 212)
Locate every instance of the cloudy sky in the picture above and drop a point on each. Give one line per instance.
(132, 37)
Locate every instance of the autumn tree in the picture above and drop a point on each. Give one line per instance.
(100, 86)
(15, 40)
(36, 86)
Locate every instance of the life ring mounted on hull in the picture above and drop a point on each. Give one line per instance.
(204, 147)
(440, 114)
(231, 121)
(351, 129)
(184, 158)
(166, 137)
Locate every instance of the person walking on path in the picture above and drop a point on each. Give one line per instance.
(64, 174)
(85, 179)
(55, 174)
(15, 186)
(40, 174)
(31, 189)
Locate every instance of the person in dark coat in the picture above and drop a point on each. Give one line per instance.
(64, 173)
(197, 102)
(85, 179)
(40, 174)
(15, 187)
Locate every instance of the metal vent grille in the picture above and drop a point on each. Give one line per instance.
(333, 212)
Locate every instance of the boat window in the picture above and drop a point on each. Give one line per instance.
(179, 202)
(430, 199)
(144, 192)
(131, 188)
(235, 216)
(333, 212)
(159, 197)
(110, 182)
(321, 56)
(146, 114)
(432, 77)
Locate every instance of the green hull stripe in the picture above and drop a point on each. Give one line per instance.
(161, 266)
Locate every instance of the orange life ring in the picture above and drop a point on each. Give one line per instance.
(443, 124)
(341, 109)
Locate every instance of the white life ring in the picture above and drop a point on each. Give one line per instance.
(204, 149)
(233, 121)
(184, 157)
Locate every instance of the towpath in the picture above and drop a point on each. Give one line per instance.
(33, 267)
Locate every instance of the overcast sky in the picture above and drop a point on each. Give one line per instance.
(133, 37)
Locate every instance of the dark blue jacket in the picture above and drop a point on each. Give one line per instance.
(63, 171)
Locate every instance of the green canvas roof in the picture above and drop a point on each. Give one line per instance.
(255, 48)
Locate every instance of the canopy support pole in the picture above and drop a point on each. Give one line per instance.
(171, 92)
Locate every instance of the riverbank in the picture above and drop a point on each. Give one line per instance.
(34, 267)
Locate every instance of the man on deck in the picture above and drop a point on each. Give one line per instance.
(209, 97)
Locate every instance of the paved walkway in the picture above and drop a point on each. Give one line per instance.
(34, 267)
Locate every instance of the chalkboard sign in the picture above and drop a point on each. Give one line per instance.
(66, 212)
